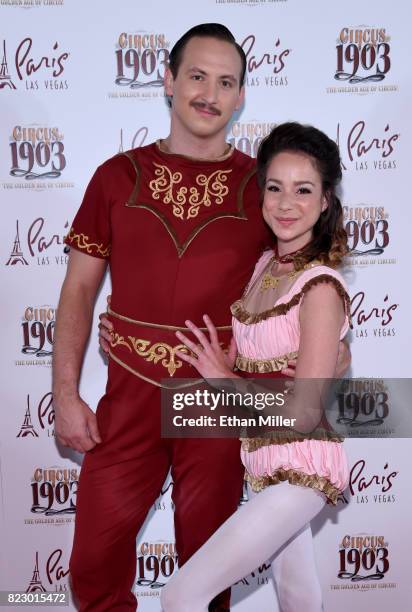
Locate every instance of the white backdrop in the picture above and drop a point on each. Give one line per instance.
(69, 100)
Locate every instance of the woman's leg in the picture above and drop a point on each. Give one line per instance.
(245, 541)
(295, 573)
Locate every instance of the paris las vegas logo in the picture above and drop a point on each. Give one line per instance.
(38, 419)
(371, 484)
(33, 65)
(266, 61)
(51, 571)
(37, 157)
(141, 59)
(363, 61)
(373, 317)
(36, 243)
(368, 148)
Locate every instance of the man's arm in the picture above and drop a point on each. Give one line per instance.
(75, 422)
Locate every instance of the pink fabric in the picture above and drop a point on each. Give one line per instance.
(278, 335)
(275, 337)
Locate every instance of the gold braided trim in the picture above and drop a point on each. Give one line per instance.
(132, 198)
(249, 318)
(287, 437)
(124, 365)
(262, 366)
(159, 325)
(296, 478)
(83, 242)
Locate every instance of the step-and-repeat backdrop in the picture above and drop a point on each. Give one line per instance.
(81, 81)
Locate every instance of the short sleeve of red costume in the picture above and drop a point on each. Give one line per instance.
(90, 232)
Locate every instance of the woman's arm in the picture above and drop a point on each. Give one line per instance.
(321, 318)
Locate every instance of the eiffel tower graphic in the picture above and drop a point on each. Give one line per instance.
(16, 255)
(5, 79)
(121, 141)
(35, 582)
(27, 428)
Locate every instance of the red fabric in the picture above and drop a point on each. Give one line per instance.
(122, 477)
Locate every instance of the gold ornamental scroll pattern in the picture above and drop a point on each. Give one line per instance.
(83, 242)
(159, 351)
(211, 190)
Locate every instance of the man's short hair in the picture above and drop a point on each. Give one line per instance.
(205, 30)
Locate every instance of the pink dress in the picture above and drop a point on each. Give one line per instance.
(265, 342)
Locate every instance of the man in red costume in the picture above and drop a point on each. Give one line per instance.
(180, 225)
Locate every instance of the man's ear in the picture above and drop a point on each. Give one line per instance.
(168, 82)
(241, 98)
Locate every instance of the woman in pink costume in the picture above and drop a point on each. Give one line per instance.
(295, 307)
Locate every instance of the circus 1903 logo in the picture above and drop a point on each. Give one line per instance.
(30, 67)
(141, 60)
(368, 232)
(362, 404)
(37, 335)
(37, 152)
(265, 62)
(363, 60)
(156, 562)
(247, 136)
(53, 492)
(363, 561)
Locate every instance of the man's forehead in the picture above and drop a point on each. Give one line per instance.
(202, 51)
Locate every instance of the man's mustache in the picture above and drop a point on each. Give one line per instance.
(206, 107)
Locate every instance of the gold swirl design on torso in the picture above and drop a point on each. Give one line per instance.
(159, 351)
(212, 190)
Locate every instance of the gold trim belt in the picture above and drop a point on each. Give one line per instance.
(137, 350)
(160, 325)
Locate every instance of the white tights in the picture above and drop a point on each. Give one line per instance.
(275, 521)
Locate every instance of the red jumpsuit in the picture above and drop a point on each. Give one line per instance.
(181, 236)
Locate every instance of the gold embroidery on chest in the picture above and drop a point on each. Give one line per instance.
(211, 190)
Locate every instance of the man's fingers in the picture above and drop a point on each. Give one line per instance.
(105, 334)
(104, 322)
(104, 345)
(93, 429)
(108, 299)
